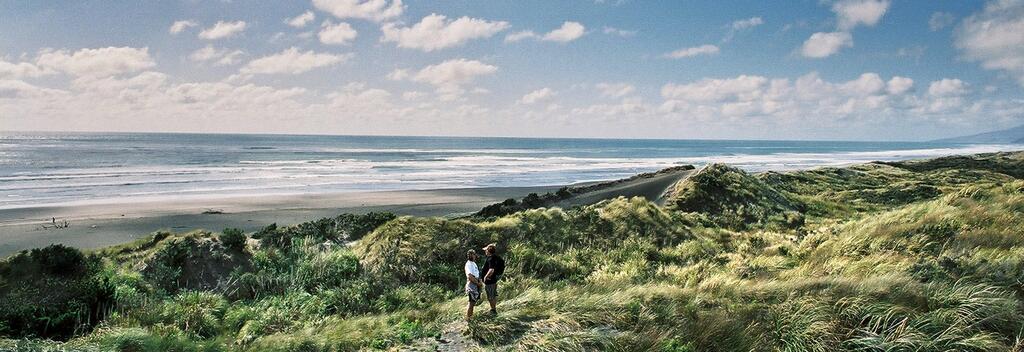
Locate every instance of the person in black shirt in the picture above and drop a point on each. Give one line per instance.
(494, 266)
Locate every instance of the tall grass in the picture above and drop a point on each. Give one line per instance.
(901, 257)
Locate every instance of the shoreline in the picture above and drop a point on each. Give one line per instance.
(100, 225)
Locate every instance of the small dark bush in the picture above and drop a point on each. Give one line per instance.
(532, 200)
(353, 227)
(233, 239)
(563, 193)
(271, 236)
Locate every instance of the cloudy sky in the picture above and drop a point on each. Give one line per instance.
(847, 69)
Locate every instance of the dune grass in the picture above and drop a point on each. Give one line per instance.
(922, 256)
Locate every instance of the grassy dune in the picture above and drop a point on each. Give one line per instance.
(905, 256)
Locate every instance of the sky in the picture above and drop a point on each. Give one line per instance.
(813, 69)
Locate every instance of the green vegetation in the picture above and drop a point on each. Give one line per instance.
(909, 256)
(535, 201)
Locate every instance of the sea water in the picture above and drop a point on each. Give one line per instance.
(38, 169)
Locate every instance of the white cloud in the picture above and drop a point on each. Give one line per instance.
(98, 62)
(219, 57)
(373, 10)
(517, 36)
(619, 32)
(706, 49)
(741, 88)
(22, 70)
(851, 13)
(205, 54)
(337, 34)
(537, 96)
(453, 72)
(746, 23)
(449, 77)
(356, 100)
(398, 74)
(739, 25)
(435, 32)
(764, 105)
(898, 85)
(292, 61)
(412, 95)
(230, 58)
(180, 26)
(568, 32)
(993, 37)
(810, 98)
(822, 44)
(631, 106)
(615, 90)
(301, 20)
(222, 30)
(867, 84)
(947, 87)
(940, 20)
(11, 89)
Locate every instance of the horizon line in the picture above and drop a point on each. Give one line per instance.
(479, 137)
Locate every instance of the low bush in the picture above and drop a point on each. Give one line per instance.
(233, 239)
(54, 292)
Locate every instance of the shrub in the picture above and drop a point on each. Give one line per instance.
(54, 292)
(328, 269)
(354, 227)
(233, 239)
(350, 298)
(563, 193)
(408, 250)
(198, 314)
(532, 200)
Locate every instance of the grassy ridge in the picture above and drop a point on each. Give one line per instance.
(922, 256)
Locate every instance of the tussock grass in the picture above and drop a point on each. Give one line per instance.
(920, 256)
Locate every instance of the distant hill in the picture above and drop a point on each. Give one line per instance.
(1011, 135)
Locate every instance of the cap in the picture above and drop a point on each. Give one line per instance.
(491, 246)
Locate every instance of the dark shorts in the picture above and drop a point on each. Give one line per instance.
(492, 290)
(474, 294)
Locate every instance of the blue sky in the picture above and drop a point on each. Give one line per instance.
(847, 69)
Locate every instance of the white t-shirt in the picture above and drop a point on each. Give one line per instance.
(472, 269)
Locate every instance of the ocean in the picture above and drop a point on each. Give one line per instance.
(41, 169)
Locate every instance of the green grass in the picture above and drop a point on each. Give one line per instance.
(911, 256)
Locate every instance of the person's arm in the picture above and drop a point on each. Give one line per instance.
(473, 279)
(490, 272)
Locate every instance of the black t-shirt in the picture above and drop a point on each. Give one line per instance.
(493, 262)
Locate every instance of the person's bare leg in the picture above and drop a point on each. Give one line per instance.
(469, 311)
(493, 301)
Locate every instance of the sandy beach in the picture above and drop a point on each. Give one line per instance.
(101, 225)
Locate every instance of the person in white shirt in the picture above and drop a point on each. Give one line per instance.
(473, 283)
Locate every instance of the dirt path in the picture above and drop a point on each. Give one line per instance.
(450, 340)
